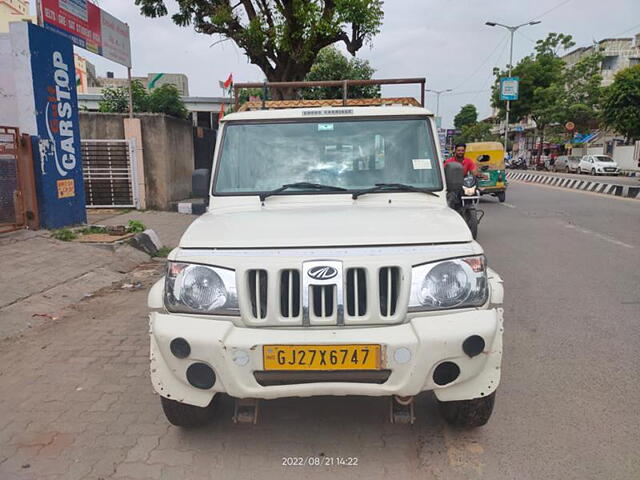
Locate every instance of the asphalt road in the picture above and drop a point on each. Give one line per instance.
(77, 402)
(620, 180)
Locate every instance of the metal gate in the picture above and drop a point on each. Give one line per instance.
(109, 170)
(12, 215)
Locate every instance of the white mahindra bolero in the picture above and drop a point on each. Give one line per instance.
(328, 263)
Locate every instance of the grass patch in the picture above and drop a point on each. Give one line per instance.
(93, 229)
(64, 234)
(135, 226)
(163, 252)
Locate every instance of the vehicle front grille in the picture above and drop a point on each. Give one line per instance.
(258, 293)
(323, 300)
(295, 377)
(356, 294)
(290, 293)
(389, 282)
(359, 296)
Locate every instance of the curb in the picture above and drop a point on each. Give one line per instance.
(626, 191)
(190, 208)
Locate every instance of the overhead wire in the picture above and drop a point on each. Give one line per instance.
(550, 10)
(469, 77)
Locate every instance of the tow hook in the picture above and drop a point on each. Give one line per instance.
(246, 410)
(401, 409)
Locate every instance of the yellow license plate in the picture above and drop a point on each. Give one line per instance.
(321, 357)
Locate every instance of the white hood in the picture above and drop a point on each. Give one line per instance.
(312, 225)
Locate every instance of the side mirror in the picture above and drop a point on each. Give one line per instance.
(454, 176)
(200, 183)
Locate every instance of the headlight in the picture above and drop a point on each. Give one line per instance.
(456, 283)
(193, 288)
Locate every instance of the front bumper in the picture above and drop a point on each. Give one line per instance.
(431, 339)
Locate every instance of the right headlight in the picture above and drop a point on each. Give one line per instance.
(195, 288)
(455, 283)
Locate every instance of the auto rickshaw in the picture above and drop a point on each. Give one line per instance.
(489, 157)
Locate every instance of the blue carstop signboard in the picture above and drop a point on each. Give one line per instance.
(57, 151)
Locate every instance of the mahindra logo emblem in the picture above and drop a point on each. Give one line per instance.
(322, 272)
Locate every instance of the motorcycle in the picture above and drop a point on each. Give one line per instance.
(466, 203)
(519, 164)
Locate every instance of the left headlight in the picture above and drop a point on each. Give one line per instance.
(195, 288)
(455, 283)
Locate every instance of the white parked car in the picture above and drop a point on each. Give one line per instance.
(598, 165)
(328, 263)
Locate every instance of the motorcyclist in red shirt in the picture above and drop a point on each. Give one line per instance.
(468, 165)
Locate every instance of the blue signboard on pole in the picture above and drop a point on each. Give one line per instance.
(57, 151)
(509, 88)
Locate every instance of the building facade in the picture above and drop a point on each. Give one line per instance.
(14, 11)
(150, 81)
(618, 53)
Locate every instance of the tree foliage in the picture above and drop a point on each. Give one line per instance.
(281, 37)
(163, 99)
(621, 105)
(539, 74)
(468, 115)
(116, 99)
(583, 92)
(477, 132)
(542, 89)
(331, 64)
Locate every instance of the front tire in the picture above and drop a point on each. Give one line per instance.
(471, 217)
(593, 172)
(468, 413)
(501, 196)
(188, 416)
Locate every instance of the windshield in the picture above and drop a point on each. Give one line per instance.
(351, 154)
(603, 158)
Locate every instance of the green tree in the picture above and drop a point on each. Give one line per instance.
(621, 105)
(478, 132)
(331, 64)
(468, 115)
(541, 93)
(281, 37)
(583, 92)
(116, 99)
(164, 99)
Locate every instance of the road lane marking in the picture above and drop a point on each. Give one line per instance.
(508, 205)
(599, 235)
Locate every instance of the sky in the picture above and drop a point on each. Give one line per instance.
(445, 41)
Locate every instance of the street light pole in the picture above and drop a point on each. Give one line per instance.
(438, 93)
(512, 30)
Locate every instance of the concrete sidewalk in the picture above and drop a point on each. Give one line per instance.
(41, 276)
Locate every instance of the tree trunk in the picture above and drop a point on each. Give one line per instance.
(288, 71)
(541, 145)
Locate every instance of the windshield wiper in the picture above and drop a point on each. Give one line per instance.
(380, 187)
(301, 185)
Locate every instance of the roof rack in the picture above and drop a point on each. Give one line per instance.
(345, 84)
(351, 102)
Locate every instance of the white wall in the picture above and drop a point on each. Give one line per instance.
(624, 156)
(23, 78)
(8, 112)
(595, 151)
(17, 106)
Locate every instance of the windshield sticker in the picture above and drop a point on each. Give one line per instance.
(421, 163)
(325, 127)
